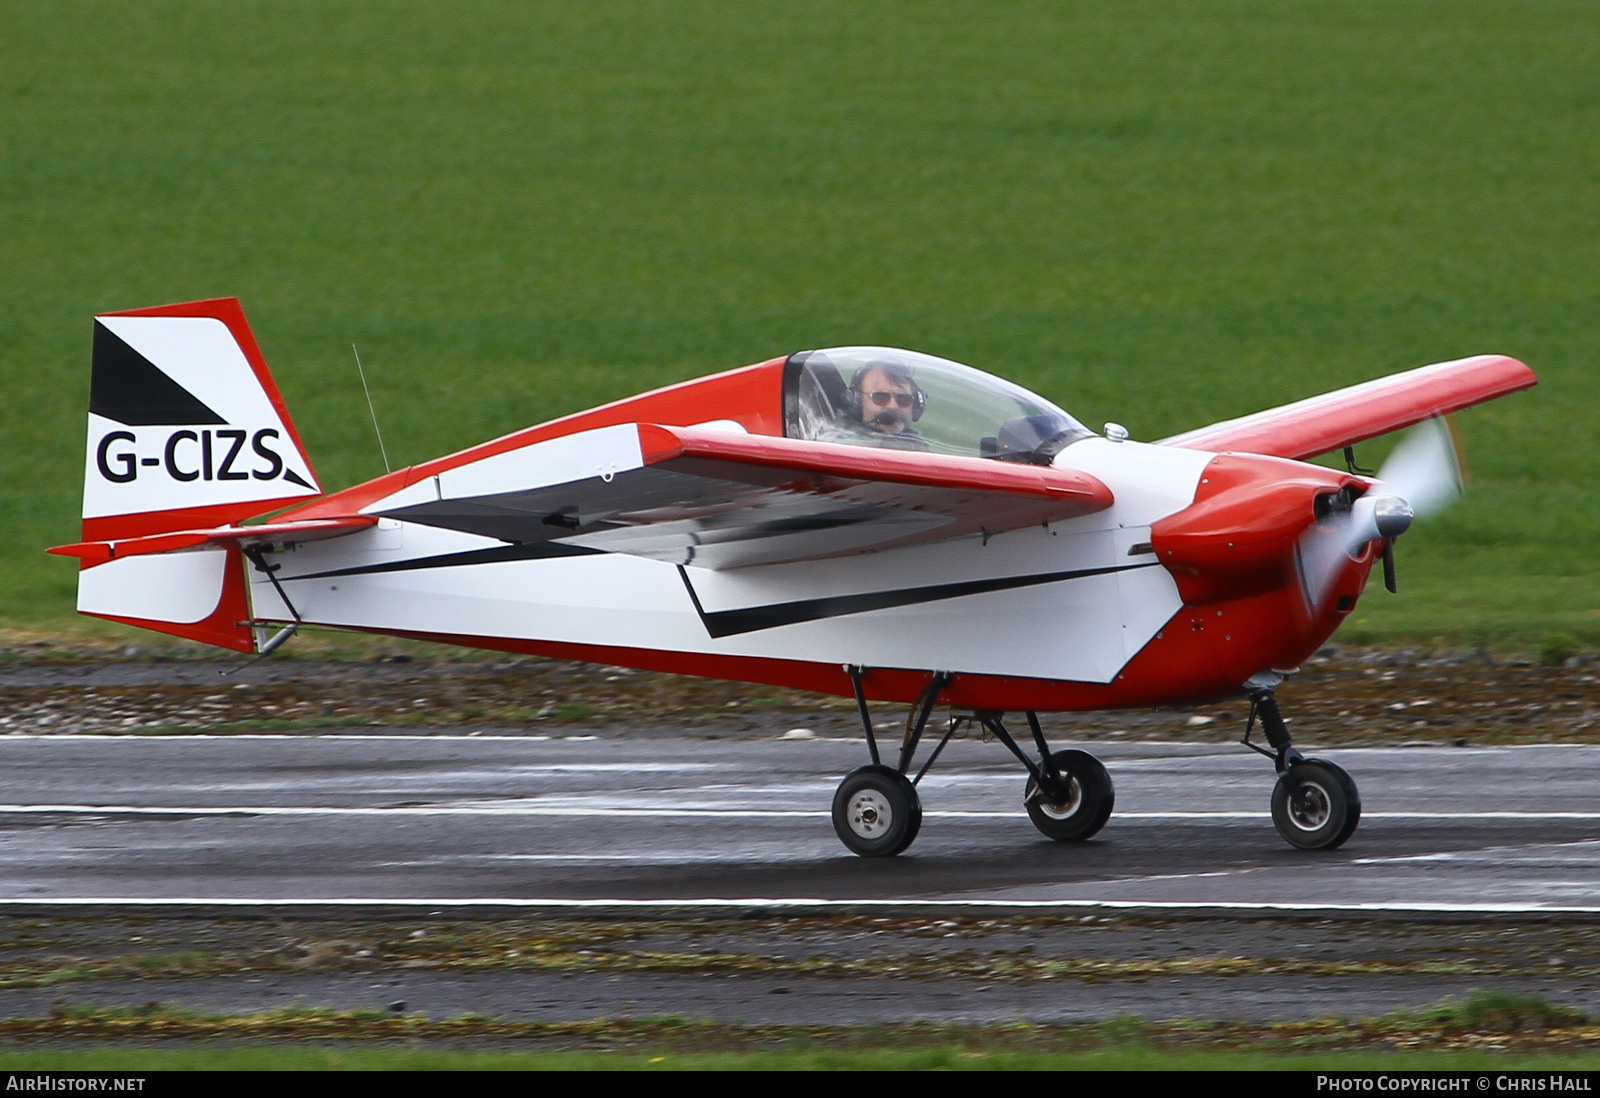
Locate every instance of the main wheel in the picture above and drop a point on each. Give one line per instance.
(1324, 809)
(877, 812)
(1086, 806)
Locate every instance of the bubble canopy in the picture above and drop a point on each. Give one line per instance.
(905, 400)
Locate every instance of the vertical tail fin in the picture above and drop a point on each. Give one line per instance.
(187, 430)
(186, 425)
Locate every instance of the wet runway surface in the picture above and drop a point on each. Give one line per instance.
(517, 818)
(167, 869)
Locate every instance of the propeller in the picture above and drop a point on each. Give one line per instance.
(1421, 478)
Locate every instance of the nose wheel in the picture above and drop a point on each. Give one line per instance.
(1315, 805)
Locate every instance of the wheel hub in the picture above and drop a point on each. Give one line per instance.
(1309, 808)
(869, 814)
(1067, 806)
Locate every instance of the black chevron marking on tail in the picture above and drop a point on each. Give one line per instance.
(129, 388)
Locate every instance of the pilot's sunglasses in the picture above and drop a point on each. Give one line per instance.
(882, 399)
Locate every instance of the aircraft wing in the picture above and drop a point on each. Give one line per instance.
(723, 499)
(1344, 417)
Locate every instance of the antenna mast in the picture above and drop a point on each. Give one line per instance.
(382, 449)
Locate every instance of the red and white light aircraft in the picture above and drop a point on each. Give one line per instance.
(857, 521)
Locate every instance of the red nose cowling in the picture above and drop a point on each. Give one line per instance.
(1234, 555)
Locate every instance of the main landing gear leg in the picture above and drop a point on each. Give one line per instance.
(877, 812)
(1315, 804)
(1069, 795)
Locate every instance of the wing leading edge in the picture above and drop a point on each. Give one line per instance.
(1344, 417)
(721, 499)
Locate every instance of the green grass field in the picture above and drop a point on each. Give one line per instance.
(1487, 1032)
(1160, 213)
(277, 1057)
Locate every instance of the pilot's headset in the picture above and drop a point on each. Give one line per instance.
(919, 396)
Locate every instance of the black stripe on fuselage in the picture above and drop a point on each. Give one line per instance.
(750, 619)
(728, 623)
(544, 550)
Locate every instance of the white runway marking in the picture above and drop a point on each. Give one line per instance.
(1469, 855)
(402, 810)
(803, 904)
(690, 813)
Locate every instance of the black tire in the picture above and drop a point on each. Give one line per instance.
(1325, 811)
(1087, 807)
(877, 812)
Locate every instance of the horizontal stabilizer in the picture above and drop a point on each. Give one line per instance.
(271, 533)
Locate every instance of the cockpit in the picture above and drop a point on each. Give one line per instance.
(904, 400)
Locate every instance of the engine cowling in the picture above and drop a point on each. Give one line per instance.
(1239, 537)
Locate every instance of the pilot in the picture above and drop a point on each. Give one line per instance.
(884, 402)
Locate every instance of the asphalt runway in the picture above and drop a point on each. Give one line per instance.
(461, 819)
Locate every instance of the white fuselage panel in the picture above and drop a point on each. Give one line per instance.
(1069, 601)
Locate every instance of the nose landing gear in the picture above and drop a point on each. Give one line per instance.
(1315, 803)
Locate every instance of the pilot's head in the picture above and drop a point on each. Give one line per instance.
(889, 397)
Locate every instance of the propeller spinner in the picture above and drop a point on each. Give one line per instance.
(1421, 478)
